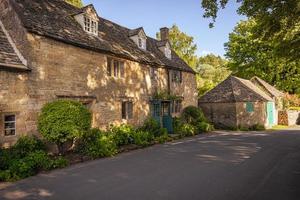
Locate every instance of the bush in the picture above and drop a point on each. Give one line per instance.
(26, 158)
(122, 135)
(186, 130)
(143, 138)
(192, 115)
(62, 121)
(163, 138)
(97, 144)
(27, 144)
(203, 127)
(153, 126)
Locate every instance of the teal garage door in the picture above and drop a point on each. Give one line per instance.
(270, 113)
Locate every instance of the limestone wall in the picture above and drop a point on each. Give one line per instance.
(248, 119)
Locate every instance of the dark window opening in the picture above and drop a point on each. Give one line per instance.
(127, 110)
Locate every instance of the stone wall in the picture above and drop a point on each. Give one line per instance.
(222, 115)
(249, 119)
(59, 70)
(289, 118)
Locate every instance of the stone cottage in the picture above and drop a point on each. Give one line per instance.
(237, 103)
(272, 92)
(52, 50)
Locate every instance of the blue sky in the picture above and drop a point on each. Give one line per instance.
(187, 14)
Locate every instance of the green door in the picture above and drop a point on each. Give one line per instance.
(270, 113)
(166, 116)
(156, 111)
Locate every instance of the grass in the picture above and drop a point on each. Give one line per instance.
(279, 127)
(294, 108)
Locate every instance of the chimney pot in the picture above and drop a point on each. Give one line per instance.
(164, 34)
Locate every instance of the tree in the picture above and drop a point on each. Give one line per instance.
(278, 21)
(212, 70)
(77, 3)
(249, 56)
(62, 121)
(183, 45)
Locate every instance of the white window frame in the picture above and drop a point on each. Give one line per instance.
(6, 122)
(90, 25)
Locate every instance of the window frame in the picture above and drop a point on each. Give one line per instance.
(115, 68)
(177, 106)
(7, 122)
(90, 25)
(127, 110)
(177, 76)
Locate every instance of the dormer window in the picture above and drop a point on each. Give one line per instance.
(88, 19)
(139, 37)
(168, 52)
(90, 25)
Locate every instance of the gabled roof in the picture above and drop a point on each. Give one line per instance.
(54, 19)
(9, 55)
(271, 90)
(235, 89)
(136, 31)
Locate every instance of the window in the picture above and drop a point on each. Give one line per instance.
(140, 43)
(9, 125)
(127, 110)
(168, 52)
(249, 107)
(115, 68)
(177, 76)
(90, 26)
(153, 72)
(177, 106)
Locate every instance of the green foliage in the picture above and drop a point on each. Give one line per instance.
(77, 3)
(28, 144)
(122, 135)
(153, 126)
(25, 159)
(164, 95)
(187, 130)
(96, 143)
(63, 120)
(183, 45)
(251, 56)
(211, 71)
(143, 138)
(192, 115)
(203, 127)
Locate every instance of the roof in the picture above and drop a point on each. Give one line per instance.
(54, 19)
(9, 57)
(266, 86)
(234, 89)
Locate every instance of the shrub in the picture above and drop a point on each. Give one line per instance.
(153, 126)
(62, 121)
(203, 127)
(122, 135)
(257, 127)
(97, 144)
(26, 158)
(163, 138)
(187, 130)
(143, 138)
(192, 115)
(27, 144)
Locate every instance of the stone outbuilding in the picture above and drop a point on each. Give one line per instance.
(238, 103)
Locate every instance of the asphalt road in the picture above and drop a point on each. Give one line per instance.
(224, 166)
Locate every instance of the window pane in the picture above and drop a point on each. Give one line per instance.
(123, 110)
(9, 118)
(130, 110)
(122, 70)
(9, 132)
(109, 61)
(116, 68)
(9, 125)
(249, 107)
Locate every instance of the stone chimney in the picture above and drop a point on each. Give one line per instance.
(164, 34)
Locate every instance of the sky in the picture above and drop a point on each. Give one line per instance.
(186, 14)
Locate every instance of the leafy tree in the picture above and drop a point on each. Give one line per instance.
(183, 45)
(277, 21)
(77, 3)
(249, 56)
(212, 70)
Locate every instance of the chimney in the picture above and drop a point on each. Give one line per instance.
(164, 34)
